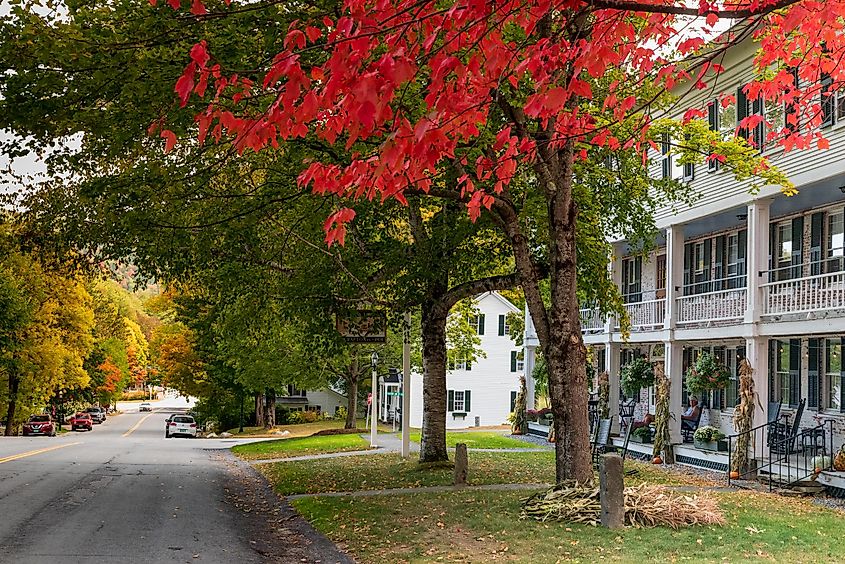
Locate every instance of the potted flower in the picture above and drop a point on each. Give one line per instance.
(707, 374)
(710, 438)
(641, 435)
(531, 414)
(637, 375)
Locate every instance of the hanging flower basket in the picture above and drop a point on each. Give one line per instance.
(637, 375)
(707, 374)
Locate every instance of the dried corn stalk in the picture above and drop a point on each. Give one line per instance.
(520, 417)
(645, 506)
(744, 417)
(662, 438)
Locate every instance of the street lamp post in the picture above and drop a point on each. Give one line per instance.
(61, 409)
(374, 406)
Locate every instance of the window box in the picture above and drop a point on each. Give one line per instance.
(640, 439)
(459, 415)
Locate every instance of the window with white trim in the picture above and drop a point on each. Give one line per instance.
(833, 373)
(458, 403)
(784, 241)
(698, 257)
(460, 363)
(835, 241)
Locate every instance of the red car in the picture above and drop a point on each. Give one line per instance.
(81, 420)
(39, 425)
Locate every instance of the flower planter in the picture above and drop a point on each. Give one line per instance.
(641, 440)
(715, 446)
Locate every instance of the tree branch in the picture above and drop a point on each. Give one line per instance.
(475, 287)
(732, 14)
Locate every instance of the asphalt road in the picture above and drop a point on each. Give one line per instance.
(123, 493)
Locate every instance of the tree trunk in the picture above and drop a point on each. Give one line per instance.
(14, 383)
(270, 410)
(259, 410)
(433, 444)
(352, 395)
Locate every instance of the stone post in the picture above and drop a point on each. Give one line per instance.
(461, 464)
(611, 491)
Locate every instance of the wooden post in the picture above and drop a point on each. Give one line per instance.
(611, 492)
(461, 464)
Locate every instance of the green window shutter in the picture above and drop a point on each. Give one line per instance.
(480, 323)
(469, 364)
(721, 262)
(741, 253)
(774, 252)
(794, 372)
(513, 400)
(773, 394)
(741, 111)
(450, 400)
(513, 361)
(466, 401)
(797, 246)
(758, 133)
(501, 325)
(688, 249)
(713, 122)
(816, 244)
(813, 375)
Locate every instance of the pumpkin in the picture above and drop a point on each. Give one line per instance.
(657, 460)
(839, 461)
(734, 475)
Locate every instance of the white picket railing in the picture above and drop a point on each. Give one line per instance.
(648, 314)
(721, 305)
(801, 295)
(591, 320)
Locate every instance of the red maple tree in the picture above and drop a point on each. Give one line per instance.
(498, 89)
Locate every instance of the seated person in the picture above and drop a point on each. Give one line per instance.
(690, 416)
(647, 420)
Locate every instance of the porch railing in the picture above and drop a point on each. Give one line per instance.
(802, 295)
(591, 320)
(647, 314)
(721, 305)
(784, 460)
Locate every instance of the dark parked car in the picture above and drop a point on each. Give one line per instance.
(82, 420)
(39, 425)
(98, 414)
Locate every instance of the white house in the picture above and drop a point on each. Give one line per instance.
(758, 276)
(321, 401)
(480, 393)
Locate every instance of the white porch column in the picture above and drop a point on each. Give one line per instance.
(757, 258)
(674, 273)
(615, 269)
(757, 354)
(612, 353)
(530, 342)
(674, 352)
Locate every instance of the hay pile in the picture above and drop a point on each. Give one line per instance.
(645, 506)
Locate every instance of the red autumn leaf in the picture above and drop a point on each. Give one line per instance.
(198, 8)
(175, 4)
(169, 140)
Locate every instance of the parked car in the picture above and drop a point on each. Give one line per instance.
(82, 420)
(39, 425)
(145, 406)
(98, 414)
(184, 425)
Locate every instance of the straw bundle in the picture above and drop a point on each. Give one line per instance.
(743, 417)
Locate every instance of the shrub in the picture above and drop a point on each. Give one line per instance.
(708, 434)
(340, 414)
(642, 432)
(299, 417)
(636, 375)
(133, 395)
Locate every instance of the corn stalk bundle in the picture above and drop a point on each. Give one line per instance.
(645, 506)
(604, 396)
(743, 417)
(662, 438)
(520, 417)
(651, 506)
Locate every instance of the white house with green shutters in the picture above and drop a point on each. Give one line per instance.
(482, 392)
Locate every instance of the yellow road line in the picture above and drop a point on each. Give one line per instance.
(34, 452)
(138, 424)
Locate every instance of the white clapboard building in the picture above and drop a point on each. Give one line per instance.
(482, 392)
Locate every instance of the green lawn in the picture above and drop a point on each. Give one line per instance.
(284, 448)
(384, 471)
(467, 526)
(303, 429)
(480, 439)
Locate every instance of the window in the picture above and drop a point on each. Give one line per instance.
(294, 392)
(666, 158)
(727, 120)
(504, 327)
(835, 241)
(632, 269)
(734, 356)
(784, 243)
(477, 322)
(460, 363)
(775, 116)
(785, 372)
(458, 401)
(660, 275)
(698, 258)
(833, 373)
(827, 99)
(782, 380)
(733, 256)
(517, 363)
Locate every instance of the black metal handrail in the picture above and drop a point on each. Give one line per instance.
(781, 451)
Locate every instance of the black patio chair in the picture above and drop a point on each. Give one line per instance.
(626, 413)
(601, 438)
(774, 416)
(782, 436)
(689, 426)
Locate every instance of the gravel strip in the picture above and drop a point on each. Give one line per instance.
(539, 441)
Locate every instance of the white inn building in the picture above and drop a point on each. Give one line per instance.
(757, 276)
